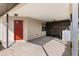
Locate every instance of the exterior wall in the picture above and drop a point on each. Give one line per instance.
(25, 27)
(0, 30)
(31, 29)
(35, 29)
(11, 30)
(3, 31)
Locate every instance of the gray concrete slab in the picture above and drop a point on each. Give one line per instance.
(23, 49)
(56, 48)
(51, 47)
(41, 41)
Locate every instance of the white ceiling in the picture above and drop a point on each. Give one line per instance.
(43, 11)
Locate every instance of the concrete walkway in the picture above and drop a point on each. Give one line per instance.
(54, 47)
(23, 49)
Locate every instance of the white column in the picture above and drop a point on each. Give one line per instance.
(74, 31)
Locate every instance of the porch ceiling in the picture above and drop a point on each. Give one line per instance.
(5, 7)
(43, 11)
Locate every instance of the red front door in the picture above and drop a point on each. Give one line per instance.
(18, 30)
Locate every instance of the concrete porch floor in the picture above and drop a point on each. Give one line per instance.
(23, 49)
(53, 47)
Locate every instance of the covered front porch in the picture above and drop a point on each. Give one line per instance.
(32, 36)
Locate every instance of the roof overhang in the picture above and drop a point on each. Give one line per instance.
(5, 7)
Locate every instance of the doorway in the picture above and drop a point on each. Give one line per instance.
(18, 30)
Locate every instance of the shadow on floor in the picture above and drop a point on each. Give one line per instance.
(41, 41)
(1, 48)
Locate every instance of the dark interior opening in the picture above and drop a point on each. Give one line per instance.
(55, 28)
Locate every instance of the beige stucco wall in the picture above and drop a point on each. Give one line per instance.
(0, 29)
(3, 33)
(11, 27)
(35, 29)
(31, 29)
(10, 31)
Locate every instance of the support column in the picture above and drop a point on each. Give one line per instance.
(74, 29)
(7, 30)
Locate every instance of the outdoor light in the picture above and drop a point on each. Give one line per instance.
(15, 14)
